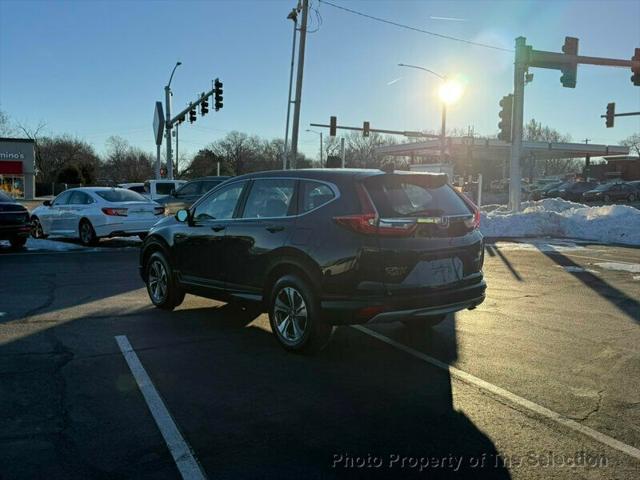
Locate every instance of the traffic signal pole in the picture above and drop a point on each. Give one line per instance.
(167, 109)
(567, 62)
(520, 67)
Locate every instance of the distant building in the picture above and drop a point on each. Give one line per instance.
(17, 167)
(624, 167)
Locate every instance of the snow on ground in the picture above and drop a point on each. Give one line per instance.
(68, 245)
(554, 217)
(547, 245)
(620, 267)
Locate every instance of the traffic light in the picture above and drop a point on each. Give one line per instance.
(506, 105)
(611, 112)
(204, 106)
(365, 129)
(570, 70)
(333, 126)
(192, 115)
(635, 78)
(217, 94)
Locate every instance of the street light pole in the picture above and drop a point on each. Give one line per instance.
(167, 101)
(443, 131)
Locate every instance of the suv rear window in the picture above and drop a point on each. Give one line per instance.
(120, 195)
(414, 195)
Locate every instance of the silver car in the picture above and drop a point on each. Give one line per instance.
(89, 213)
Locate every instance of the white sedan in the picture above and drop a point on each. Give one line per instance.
(89, 213)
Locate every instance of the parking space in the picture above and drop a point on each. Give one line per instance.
(559, 329)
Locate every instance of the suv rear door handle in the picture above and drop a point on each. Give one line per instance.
(218, 228)
(275, 228)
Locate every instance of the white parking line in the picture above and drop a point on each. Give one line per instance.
(512, 397)
(185, 461)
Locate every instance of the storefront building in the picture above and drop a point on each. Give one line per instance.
(17, 167)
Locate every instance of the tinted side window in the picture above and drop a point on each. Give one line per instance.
(269, 198)
(314, 195)
(206, 186)
(80, 198)
(138, 189)
(219, 205)
(191, 188)
(62, 199)
(164, 188)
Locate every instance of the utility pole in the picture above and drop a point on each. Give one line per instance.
(293, 15)
(342, 150)
(296, 111)
(516, 125)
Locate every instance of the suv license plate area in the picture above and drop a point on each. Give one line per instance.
(435, 273)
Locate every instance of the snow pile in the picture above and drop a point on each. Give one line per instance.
(554, 217)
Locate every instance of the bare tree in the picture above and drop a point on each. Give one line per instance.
(34, 134)
(633, 142)
(6, 128)
(58, 153)
(536, 132)
(124, 163)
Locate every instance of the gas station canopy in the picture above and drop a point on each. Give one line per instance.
(484, 148)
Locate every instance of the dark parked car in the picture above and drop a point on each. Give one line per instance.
(318, 248)
(15, 225)
(554, 191)
(188, 193)
(608, 192)
(574, 191)
(538, 193)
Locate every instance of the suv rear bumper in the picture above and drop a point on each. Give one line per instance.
(385, 309)
(8, 232)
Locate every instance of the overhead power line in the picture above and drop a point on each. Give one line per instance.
(415, 29)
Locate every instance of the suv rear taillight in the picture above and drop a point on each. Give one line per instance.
(474, 222)
(116, 212)
(369, 223)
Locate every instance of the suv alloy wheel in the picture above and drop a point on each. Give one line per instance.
(294, 316)
(161, 287)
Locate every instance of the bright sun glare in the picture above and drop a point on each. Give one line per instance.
(450, 91)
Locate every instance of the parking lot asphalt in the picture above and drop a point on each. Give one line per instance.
(558, 333)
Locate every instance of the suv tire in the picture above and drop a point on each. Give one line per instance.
(294, 316)
(161, 285)
(18, 242)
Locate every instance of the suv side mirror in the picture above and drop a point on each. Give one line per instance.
(47, 203)
(173, 192)
(182, 215)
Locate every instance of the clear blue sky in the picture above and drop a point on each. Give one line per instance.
(94, 69)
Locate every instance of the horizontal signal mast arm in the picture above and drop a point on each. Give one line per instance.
(191, 106)
(554, 60)
(379, 130)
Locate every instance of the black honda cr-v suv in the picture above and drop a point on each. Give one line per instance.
(318, 248)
